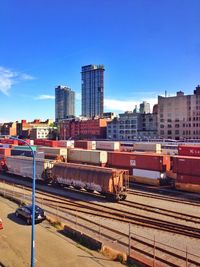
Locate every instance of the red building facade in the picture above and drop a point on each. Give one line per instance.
(83, 129)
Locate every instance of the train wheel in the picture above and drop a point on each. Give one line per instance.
(123, 197)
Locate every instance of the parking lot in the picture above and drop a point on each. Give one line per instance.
(51, 247)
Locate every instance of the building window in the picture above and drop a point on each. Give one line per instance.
(169, 132)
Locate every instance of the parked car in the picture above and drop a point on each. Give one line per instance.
(1, 224)
(25, 212)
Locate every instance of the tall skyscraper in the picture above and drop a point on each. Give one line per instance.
(64, 102)
(144, 107)
(92, 90)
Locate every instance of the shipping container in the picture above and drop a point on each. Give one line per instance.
(5, 145)
(50, 143)
(182, 178)
(149, 174)
(65, 143)
(147, 147)
(108, 145)
(28, 141)
(186, 165)
(87, 156)
(189, 150)
(84, 144)
(148, 177)
(144, 180)
(146, 161)
(34, 148)
(9, 141)
(61, 151)
(5, 151)
(26, 153)
(109, 182)
(39, 142)
(194, 188)
(23, 166)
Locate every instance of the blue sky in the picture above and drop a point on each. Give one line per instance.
(146, 46)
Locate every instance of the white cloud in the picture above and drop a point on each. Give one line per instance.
(44, 97)
(126, 105)
(26, 77)
(9, 77)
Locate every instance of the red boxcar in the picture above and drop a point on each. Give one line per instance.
(186, 165)
(189, 151)
(188, 179)
(147, 161)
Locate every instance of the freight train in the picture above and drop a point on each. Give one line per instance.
(109, 182)
(143, 166)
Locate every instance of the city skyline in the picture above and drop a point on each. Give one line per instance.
(147, 48)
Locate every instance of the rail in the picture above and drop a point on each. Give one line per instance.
(129, 242)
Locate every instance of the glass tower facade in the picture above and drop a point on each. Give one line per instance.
(92, 90)
(64, 102)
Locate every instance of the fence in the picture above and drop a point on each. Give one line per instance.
(127, 240)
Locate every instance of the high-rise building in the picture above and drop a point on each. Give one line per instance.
(92, 90)
(144, 107)
(64, 102)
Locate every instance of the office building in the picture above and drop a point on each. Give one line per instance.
(179, 116)
(144, 107)
(92, 90)
(64, 102)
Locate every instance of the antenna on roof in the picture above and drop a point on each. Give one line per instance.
(165, 93)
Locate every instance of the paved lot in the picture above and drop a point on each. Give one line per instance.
(52, 248)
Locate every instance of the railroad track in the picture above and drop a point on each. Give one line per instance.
(76, 205)
(161, 211)
(81, 208)
(177, 199)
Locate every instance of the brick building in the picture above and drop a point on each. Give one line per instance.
(82, 128)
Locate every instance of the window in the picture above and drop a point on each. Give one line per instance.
(169, 132)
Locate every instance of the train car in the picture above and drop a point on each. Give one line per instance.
(151, 147)
(108, 145)
(126, 146)
(146, 161)
(93, 157)
(65, 143)
(53, 151)
(169, 149)
(85, 144)
(23, 166)
(148, 177)
(109, 182)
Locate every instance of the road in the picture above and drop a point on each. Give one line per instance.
(52, 248)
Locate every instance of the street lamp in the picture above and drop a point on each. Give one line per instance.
(33, 201)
